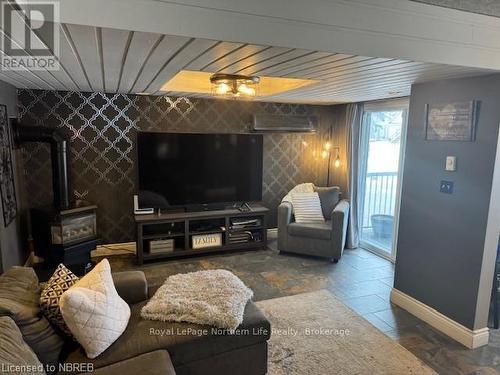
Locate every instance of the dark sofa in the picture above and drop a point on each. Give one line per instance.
(151, 347)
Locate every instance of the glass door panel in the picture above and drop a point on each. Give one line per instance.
(381, 155)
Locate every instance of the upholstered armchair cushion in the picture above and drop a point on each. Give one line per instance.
(329, 198)
(314, 230)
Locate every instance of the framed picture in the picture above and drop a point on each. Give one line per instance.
(451, 121)
(7, 188)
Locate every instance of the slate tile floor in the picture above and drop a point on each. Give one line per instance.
(360, 279)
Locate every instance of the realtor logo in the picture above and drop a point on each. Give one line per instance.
(30, 35)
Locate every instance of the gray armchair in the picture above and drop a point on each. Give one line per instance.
(320, 239)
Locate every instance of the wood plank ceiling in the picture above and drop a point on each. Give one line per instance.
(119, 61)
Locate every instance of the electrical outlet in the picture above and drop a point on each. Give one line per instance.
(446, 187)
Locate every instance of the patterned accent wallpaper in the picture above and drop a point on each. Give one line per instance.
(103, 129)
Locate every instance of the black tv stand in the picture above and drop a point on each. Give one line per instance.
(180, 227)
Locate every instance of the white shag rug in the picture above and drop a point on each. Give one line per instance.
(214, 297)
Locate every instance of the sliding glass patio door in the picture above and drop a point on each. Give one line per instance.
(382, 152)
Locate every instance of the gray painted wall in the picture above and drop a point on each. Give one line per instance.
(12, 252)
(488, 7)
(441, 237)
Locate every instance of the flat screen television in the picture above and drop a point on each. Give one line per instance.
(188, 169)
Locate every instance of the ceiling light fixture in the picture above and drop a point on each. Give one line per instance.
(234, 85)
(189, 81)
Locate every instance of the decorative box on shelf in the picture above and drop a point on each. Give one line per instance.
(161, 246)
(202, 241)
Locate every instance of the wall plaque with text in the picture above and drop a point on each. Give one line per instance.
(451, 121)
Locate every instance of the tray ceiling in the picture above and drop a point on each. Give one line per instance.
(120, 61)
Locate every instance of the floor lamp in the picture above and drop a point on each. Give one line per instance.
(327, 152)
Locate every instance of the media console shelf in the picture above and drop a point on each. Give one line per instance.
(238, 231)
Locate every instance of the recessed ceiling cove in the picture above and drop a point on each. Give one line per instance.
(199, 82)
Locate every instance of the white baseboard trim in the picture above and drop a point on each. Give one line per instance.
(470, 338)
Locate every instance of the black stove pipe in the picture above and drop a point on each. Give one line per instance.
(58, 154)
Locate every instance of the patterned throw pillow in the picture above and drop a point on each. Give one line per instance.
(59, 282)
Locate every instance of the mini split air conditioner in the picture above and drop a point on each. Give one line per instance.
(284, 123)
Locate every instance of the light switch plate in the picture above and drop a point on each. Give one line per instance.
(451, 163)
(446, 187)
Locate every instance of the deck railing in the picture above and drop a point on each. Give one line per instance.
(379, 195)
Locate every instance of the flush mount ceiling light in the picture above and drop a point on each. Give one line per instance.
(188, 81)
(234, 85)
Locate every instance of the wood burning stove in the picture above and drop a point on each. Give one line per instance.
(65, 232)
(65, 235)
(75, 225)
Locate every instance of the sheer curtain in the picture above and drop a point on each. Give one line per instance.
(351, 122)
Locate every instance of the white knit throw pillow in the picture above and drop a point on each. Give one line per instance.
(93, 311)
(307, 208)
